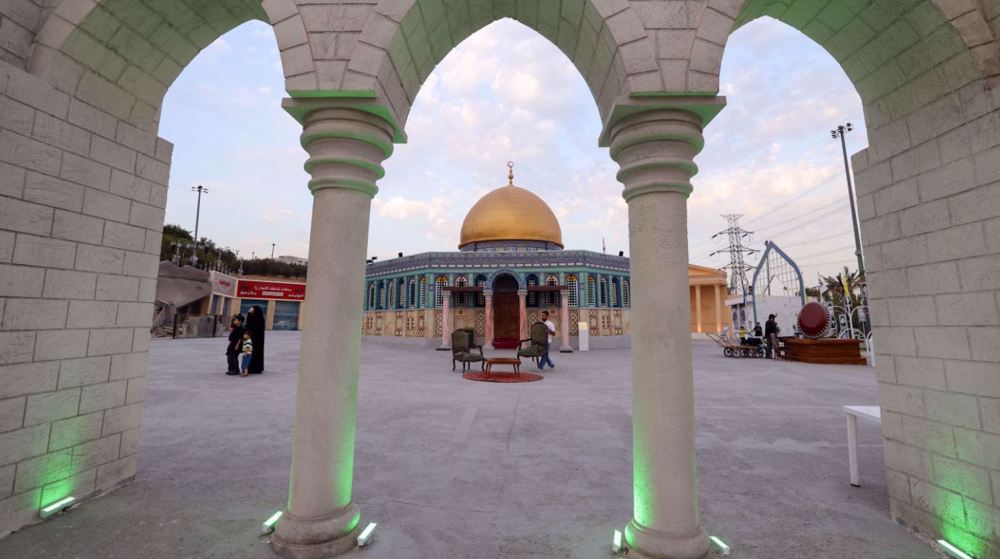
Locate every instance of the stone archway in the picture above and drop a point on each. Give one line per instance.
(928, 205)
(84, 87)
(85, 179)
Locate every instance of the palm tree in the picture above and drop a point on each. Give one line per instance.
(834, 290)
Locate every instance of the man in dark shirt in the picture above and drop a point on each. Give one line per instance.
(771, 335)
(236, 331)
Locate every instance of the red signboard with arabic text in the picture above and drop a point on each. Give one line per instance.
(256, 289)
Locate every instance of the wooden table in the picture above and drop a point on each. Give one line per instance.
(513, 361)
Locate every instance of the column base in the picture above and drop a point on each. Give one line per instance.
(317, 538)
(566, 350)
(444, 348)
(646, 543)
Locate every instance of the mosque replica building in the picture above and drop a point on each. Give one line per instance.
(510, 266)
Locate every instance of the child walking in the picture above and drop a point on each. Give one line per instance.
(247, 354)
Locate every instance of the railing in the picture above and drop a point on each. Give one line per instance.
(195, 326)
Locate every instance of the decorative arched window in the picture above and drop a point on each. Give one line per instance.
(480, 297)
(626, 295)
(423, 291)
(371, 295)
(614, 292)
(531, 281)
(411, 294)
(381, 295)
(552, 297)
(573, 285)
(439, 284)
(591, 291)
(461, 298)
(603, 287)
(392, 294)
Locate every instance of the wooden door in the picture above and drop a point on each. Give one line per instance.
(505, 315)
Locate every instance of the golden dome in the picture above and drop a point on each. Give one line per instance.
(510, 213)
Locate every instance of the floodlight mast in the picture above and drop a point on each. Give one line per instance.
(839, 132)
(197, 217)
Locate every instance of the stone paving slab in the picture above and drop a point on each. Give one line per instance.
(454, 468)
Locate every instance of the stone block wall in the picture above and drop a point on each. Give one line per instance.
(82, 198)
(929, 202)
(19, 19)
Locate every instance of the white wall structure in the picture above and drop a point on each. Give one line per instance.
(83, 184)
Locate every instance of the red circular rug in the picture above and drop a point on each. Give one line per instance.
(502, 377)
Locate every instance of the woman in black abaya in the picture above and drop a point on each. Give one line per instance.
(255, 326)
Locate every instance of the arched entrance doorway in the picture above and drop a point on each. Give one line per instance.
(506, 312)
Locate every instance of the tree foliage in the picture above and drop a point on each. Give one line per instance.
(178, 246)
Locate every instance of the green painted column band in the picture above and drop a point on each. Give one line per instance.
(377, 170)
(689, 167)
(684, 188)
(363, 187)
(310, 137)
(697, 141)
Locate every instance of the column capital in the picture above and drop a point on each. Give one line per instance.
(706, 106)
(654, 138)
(347, 136)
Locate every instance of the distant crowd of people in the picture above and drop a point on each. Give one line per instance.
(245, 351)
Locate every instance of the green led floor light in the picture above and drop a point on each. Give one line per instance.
(720, 545)
(365, 537)
(57, 507)
(268, 526)
(616, 542)
(954, 551)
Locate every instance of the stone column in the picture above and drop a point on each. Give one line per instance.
(697, 307)
(654, 145)
(488, 327)
(718, 310)
(445, 320)
(564, 320)
(346, 147)
(522, 317)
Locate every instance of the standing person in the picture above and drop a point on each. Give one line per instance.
(552, 330)
(771, 335)
(255, 327)
(236, 331)
(247, 354)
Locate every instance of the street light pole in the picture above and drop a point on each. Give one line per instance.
(272, 251)
(197, 217)
(839, 132)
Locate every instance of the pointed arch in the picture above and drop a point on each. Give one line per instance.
(122, 56)
(405, 39)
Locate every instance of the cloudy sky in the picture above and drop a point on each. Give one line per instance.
(504, 94)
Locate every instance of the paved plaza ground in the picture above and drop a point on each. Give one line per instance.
(454, 468)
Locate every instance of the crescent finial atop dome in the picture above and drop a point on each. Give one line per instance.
(510, 173)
